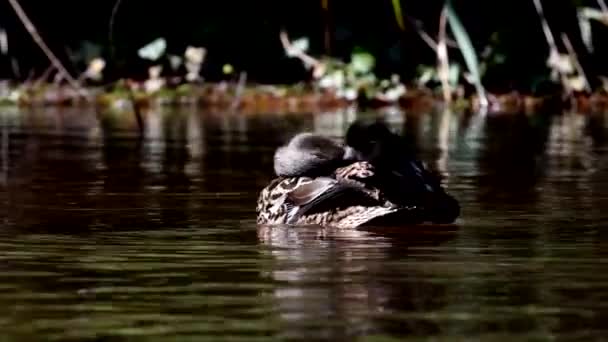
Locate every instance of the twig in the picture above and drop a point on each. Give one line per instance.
(443, 67)
(427, 38)
(543, 21)
(111, 26)
(288, 47)
(575, 59)
(603, 6)
(45, 75)
(29, 26)
(553, 51)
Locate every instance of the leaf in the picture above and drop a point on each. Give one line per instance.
(585, 15)
(428, 74)
(175, 61)
(398, 14)
(227, 69)
(154, 50)
(301, 44)
(454, 74)
(362, 62)
(467, 50)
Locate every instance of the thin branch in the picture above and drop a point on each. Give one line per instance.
(603, 6)
(45, 75)
(111, 26)
(443, 67)
(29, 26)
(430, 41)
(288, 47)
(427, 39)
(545, 25)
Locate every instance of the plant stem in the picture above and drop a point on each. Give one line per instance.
(29, 26)
(574, 57)
(443, 67)
(111, 27)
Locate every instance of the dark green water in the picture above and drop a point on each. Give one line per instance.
(106, 239)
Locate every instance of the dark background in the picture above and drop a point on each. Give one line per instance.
(245, 34)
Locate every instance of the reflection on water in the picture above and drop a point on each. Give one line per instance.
(105, 235)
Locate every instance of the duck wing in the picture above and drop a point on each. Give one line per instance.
(325, 194)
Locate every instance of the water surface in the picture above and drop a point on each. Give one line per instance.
(105, 237)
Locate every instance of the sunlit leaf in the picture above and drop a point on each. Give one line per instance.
(362, 62)
(561, 62)
(301, 44)
(95, 69)
(585, 15)
(154, 50)
(195, 55)
(466, 48)
(175, 61)
(585, 27)
(154, 71)
(227, 69)
(577, 83)
(427, 74)
(454, 74)
(398, 14)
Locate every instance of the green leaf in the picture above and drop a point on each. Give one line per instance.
(454, 74)
(362, 62)
(466, 48)
(398, 14)
(154, 50)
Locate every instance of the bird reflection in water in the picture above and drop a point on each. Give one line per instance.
(347, 276)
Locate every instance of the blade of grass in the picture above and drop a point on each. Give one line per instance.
(467, 50)
(398, 14)
(111, 28)
(443, 63)
(543, 21)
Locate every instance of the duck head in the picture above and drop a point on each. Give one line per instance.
(376, 143)
(311, 155)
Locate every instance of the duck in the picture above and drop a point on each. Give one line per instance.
(311, 155)
(320, 181)
(399, 174)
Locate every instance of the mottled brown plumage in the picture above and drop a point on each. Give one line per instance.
(345, 199)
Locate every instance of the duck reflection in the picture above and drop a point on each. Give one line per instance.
(348, 276)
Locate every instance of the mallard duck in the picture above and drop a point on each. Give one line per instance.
(344, 199)
(320, 182)
(400, 176)
(311, 155)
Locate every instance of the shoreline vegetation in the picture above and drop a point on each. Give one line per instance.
(260, 98)
(455, 81)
